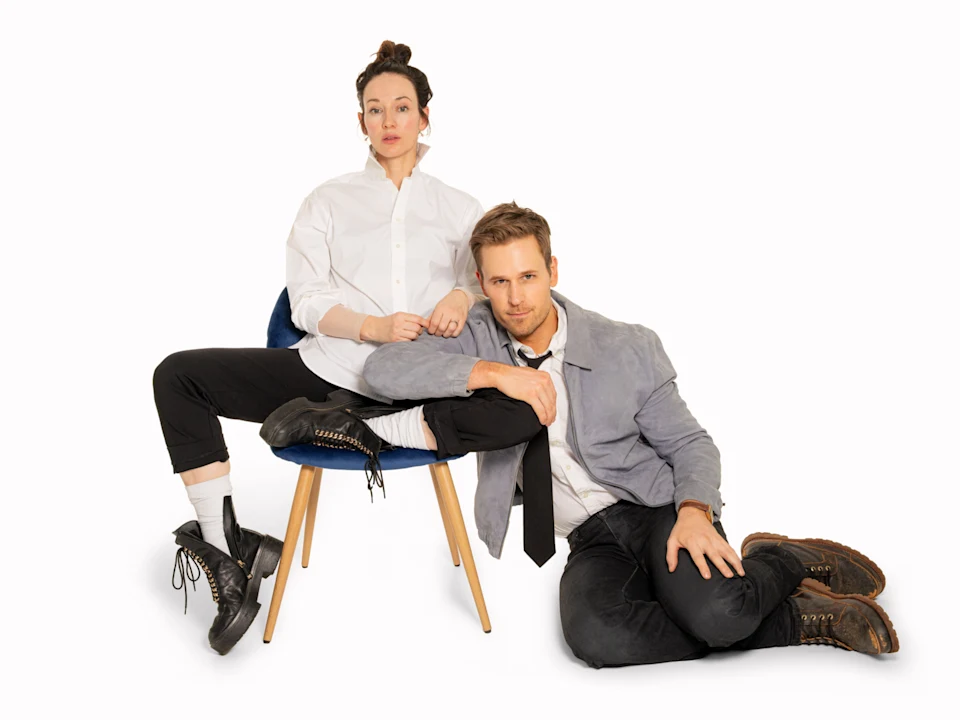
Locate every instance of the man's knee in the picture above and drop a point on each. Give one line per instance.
(596, 635)
(722, 618)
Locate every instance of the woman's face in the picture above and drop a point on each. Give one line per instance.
(390, 117)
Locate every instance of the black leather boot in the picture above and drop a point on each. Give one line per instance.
(234, 582)
(294, 422)
(335, 423)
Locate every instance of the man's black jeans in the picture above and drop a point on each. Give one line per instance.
(620, 605)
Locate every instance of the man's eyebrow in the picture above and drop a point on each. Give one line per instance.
(502, 277)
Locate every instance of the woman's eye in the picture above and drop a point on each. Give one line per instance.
(403, 108)
(374, 111)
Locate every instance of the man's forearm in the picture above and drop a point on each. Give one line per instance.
(485, 374)
(420, 369)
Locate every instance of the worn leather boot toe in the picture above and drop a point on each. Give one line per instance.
(851, 622)
(842, 569)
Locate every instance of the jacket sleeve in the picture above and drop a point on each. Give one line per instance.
(668, 425)
(312, 292)
(428, 367)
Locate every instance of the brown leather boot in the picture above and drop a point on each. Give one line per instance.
(842, 569)
(851, 622)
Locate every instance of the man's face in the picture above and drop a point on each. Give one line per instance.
(517, 281)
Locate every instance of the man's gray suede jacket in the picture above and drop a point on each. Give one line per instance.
(629, 427)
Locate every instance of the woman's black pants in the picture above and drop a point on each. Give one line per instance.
(194, 388)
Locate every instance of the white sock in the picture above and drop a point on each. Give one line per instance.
(207, 498)
(401, 429)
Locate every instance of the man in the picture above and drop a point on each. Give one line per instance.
(578, 417)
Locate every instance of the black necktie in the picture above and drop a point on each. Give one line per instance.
(538, 540)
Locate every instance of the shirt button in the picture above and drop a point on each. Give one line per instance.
(584, 493)
(398, 244)
(568, 467)
(398, 282)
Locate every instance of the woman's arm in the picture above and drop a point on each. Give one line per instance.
(316, 304)
(464, 265)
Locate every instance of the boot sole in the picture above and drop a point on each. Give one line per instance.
(829, 543)
(264, 565)
(268, 431)
(887, 623)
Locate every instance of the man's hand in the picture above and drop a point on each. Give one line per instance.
(697, 535)
(449, 315)
(399, 327)
(534, 387)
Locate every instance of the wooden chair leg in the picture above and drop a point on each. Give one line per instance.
(311, 517)
(449, 494)
(297, 511)
(451, 539)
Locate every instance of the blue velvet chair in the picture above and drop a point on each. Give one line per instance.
(313, 460)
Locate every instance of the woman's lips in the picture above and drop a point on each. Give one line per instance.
(391, 139)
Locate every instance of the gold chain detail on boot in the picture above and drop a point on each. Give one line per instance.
(210, 578)
(343, 439)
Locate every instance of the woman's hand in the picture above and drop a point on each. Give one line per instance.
(449, 315)
(700, 538)
(399, 327)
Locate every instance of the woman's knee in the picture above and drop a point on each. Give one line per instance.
(173, 368)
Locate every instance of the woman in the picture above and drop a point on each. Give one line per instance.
(373, 257)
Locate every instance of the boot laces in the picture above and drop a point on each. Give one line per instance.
(187, 565)
(339, 441)
(822, 573)
(819, 629)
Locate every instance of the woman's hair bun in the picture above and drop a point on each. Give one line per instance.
(391, 51)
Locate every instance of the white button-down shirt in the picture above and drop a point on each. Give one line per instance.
(360, 242)
(575, 496)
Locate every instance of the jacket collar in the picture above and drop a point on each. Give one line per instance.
(376, 169)
(579, 348)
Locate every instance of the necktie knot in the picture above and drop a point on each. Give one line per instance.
(534, 362)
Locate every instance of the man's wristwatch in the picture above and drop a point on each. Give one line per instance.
(699, 506)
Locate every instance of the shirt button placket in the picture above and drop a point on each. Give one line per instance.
(398, 234)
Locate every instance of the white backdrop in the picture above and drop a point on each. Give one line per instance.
(773, 187)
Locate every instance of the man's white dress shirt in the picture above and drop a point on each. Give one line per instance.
(575, 496)
(360, 242)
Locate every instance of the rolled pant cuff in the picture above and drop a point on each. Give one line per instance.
(186, 458)
(439, 419)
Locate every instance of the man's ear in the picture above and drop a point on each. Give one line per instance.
(554, 277)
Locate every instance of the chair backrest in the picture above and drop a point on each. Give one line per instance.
(281, 332)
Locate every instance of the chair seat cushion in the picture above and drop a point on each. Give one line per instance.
(331, 459)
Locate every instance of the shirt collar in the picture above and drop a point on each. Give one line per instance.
(578, 346)
(557, 342)
(376, 169)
